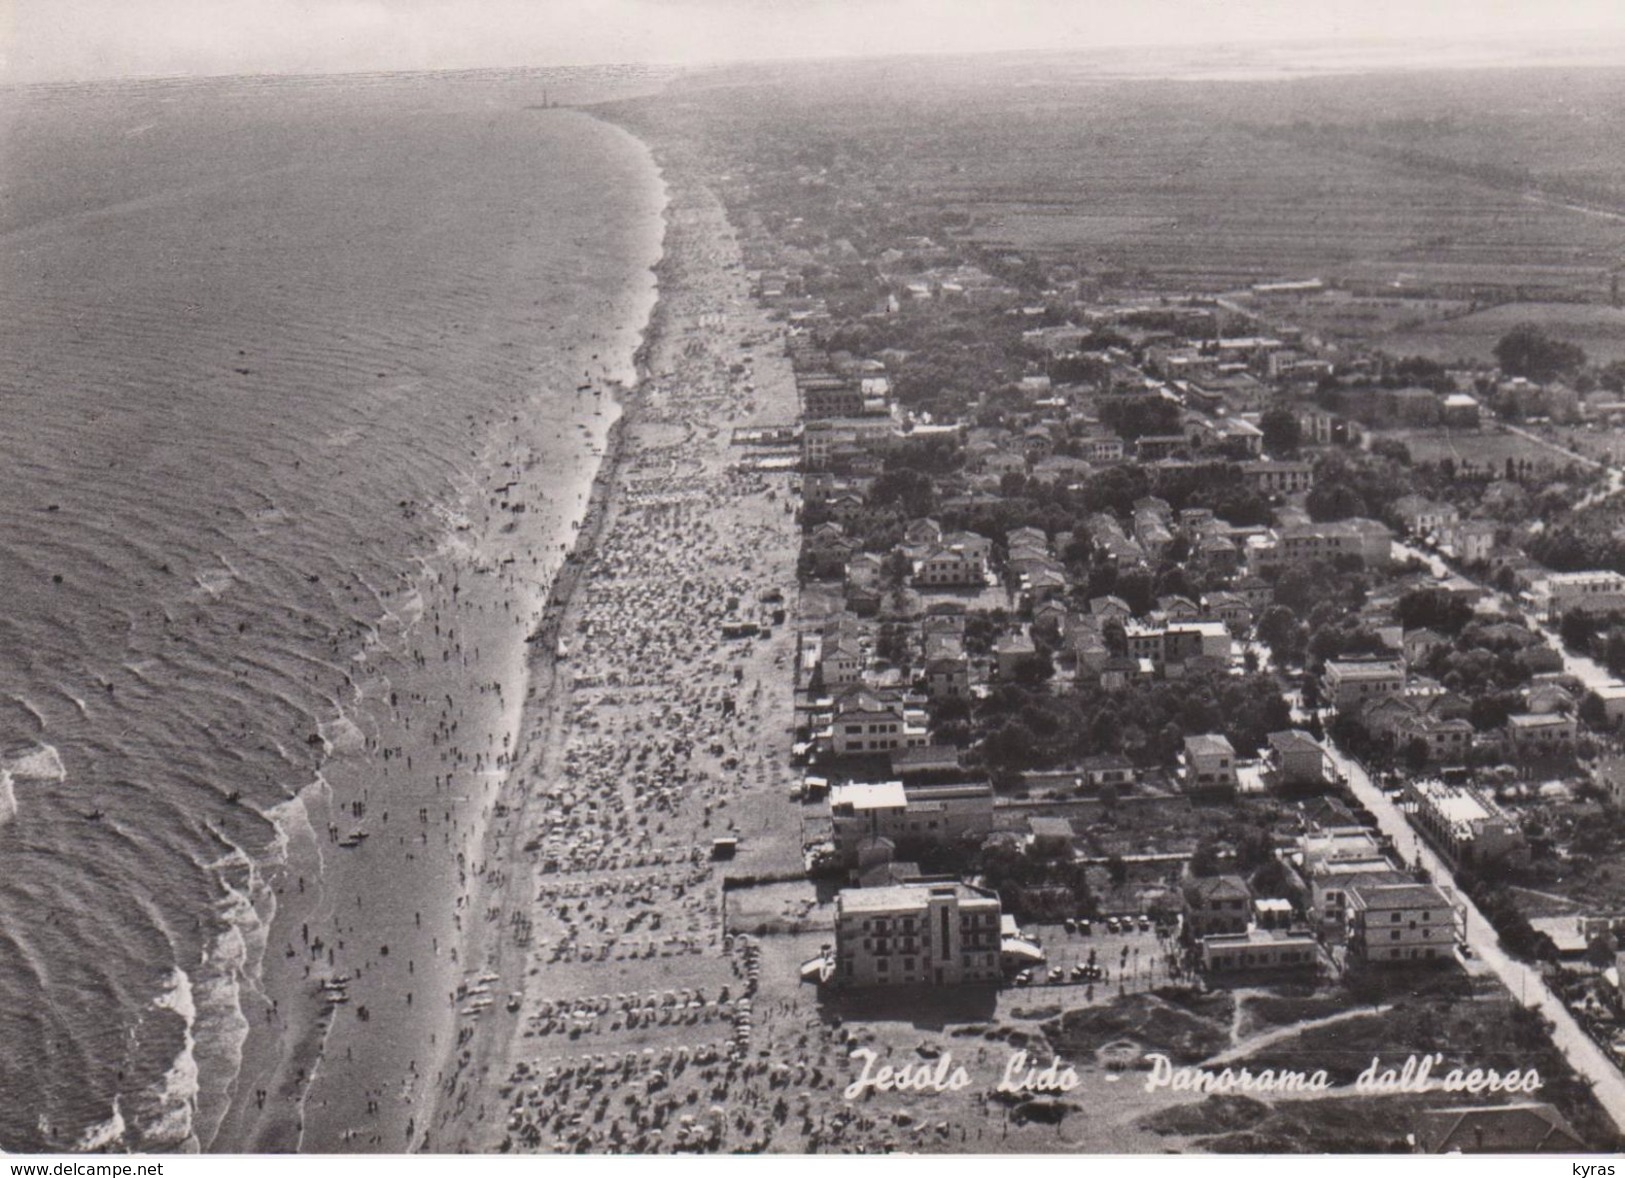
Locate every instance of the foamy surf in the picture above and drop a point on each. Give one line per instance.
(231, 966)
(174, 1097)
(103, 1135)
(38, 762)
(342, 736)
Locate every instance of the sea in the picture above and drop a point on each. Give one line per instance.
(261, 342)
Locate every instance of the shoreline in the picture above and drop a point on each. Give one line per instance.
(635, 747)
(346, 1066)
(544, 661)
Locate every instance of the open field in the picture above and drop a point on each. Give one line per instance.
(1338, 315)
(1600, 330)
(1488, 448)
(1380, 182)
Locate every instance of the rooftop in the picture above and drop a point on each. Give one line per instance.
(909, 898)
(1364, 668)
(885, 795)
(1261, 937)
(1294, 740)
(1383, 897)
(1219, 886)
(1456, 804)
(1501, 1128)
(1538, 719)
(1209, 746)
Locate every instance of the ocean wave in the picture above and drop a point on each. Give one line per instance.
(27, 705)
(213, 583)
(222, 1028)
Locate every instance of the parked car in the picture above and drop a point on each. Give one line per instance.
(1085, 927)
(1057, 975)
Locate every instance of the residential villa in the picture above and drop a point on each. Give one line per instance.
(1217, 904)
(864, 722)
(1209, 763)
(1297, 759)
(1540, 733)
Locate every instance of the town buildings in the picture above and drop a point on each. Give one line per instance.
(1351, 684)
(1258, 948)
(925, 933)
(1401, 922)
(1210, 763)
(1467, 827)
(940, 814)
(1217, 904)
(1583, 593)
(1367, 539)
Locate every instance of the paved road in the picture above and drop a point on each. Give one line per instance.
(1525, 984)
(1590, 672)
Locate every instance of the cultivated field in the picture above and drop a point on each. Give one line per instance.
(1487, 449)
(1383, 183)
(1600, 330)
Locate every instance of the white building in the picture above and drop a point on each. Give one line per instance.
(937, 934)
(1466, 826)
(1210, 762)
(1350, 684)
(1407, 922)
(921, 813)
(1595, 592)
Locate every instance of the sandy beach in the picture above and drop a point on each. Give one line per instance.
(654, 735)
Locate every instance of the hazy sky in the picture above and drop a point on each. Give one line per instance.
(70, 39)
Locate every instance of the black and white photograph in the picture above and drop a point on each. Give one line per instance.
(912, 577)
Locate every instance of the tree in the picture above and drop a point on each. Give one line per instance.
(1334, 501)
(1205, 859)
(1279, 630)
(1034, 669)
(1117, 869)
(1416, 754)
(1526, 350)
(1133, 416)
(912, 490)
(1593, 712)
(1282, 433)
